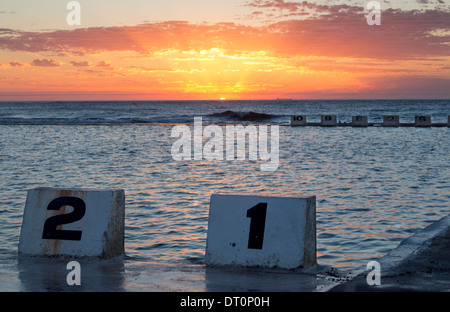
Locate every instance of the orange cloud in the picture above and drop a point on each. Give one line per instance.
(341, 32)
(45, 63)
(333, 52)
(15, 64)
(79, 64)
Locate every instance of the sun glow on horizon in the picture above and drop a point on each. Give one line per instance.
(322, 57)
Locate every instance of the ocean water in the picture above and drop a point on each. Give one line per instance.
(375, 186)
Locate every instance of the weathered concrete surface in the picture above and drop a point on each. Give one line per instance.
(288, 231)
(122, 274)
(420, 263)
(93, 226)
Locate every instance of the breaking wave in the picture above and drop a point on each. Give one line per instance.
(243, 116)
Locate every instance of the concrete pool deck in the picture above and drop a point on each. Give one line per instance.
(420, 263)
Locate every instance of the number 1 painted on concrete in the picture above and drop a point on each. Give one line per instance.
(257, 215)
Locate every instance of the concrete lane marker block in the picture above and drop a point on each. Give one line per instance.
(391, 121)
(73, 223)
(328, 120)
(422, 121)
(263, 231)
(360, 121)
(298, 120)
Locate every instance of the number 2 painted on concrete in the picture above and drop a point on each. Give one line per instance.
(79, 208)
(257, 215)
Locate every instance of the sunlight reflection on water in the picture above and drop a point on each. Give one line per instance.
(374, 186)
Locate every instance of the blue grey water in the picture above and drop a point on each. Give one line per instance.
(375, 186)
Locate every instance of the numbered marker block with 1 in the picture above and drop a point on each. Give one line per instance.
(73, 222)
(263, 231)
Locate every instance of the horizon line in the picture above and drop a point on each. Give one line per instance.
(237, 100)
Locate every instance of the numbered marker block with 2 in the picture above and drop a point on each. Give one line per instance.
(263, 231)
(391, 121)
(73, 222)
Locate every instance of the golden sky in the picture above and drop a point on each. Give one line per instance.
(233, 49)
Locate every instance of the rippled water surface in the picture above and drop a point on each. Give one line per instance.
(374, 186)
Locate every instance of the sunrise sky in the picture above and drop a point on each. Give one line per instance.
(229, 49)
